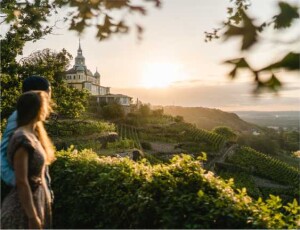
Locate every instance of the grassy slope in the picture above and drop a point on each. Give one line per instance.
(206, 118)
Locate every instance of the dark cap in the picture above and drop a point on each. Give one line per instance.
(35, 83)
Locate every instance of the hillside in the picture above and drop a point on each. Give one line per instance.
(206, 118)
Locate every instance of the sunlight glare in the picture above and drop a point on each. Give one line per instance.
(160, 75)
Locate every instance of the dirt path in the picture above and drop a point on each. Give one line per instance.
(164, 147)
(222, 156)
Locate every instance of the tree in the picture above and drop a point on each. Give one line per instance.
(48, 63)
(144, 110)
(71, 102)
(113, 111)
(240, 24)
(10, 92)
(26, 23)
(226, 132)
(261, 143)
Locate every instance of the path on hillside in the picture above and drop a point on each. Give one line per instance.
(165, 147)
(221, 157)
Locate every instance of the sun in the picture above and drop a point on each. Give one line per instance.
(159, 75)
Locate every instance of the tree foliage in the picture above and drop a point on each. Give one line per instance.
(113, 111)
(10, 92)
(26, 21)
(240, 24)
(144, 110)
(261, 143)
(226, 132)
(99, 14)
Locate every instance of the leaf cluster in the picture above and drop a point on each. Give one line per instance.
(240, 24)
(99, 14)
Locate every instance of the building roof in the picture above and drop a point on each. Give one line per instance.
(71, 71)
(96, 74)
(114, 95)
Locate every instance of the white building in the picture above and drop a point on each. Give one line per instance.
(80, 77)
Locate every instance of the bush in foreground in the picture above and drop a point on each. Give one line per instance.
(105, 192)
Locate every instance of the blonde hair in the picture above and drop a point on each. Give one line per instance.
(46, 142)
(40, 108)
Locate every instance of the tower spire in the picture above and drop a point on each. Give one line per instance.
(79, 60)
(79, 49)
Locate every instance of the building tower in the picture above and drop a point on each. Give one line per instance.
(79, 60)
(97, 76)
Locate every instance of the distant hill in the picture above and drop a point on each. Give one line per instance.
(206, 118)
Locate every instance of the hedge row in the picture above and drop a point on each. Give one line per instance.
(92, 192)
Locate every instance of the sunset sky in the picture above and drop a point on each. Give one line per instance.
(173, 65)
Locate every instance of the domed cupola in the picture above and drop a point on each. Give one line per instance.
(96, 74)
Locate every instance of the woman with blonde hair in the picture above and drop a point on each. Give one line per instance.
(28, 205)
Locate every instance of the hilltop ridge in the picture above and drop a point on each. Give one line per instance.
(207, 118)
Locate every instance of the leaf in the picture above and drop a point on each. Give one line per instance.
(110, 4)
(239, 62)
(287, 14)
(139, 9)
(122, 28)
(106, 29)
(232, 73)
(273, 83)
(229, 10)
(290, 62)
(140, 31)
(233, 31)
(78, 26)
(248, 31)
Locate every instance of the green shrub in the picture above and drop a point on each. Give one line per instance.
(93, 192)
(113, 111)
(226, 132)
(243, 180)
(67, 128)
(146, 145)
(121, 144)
